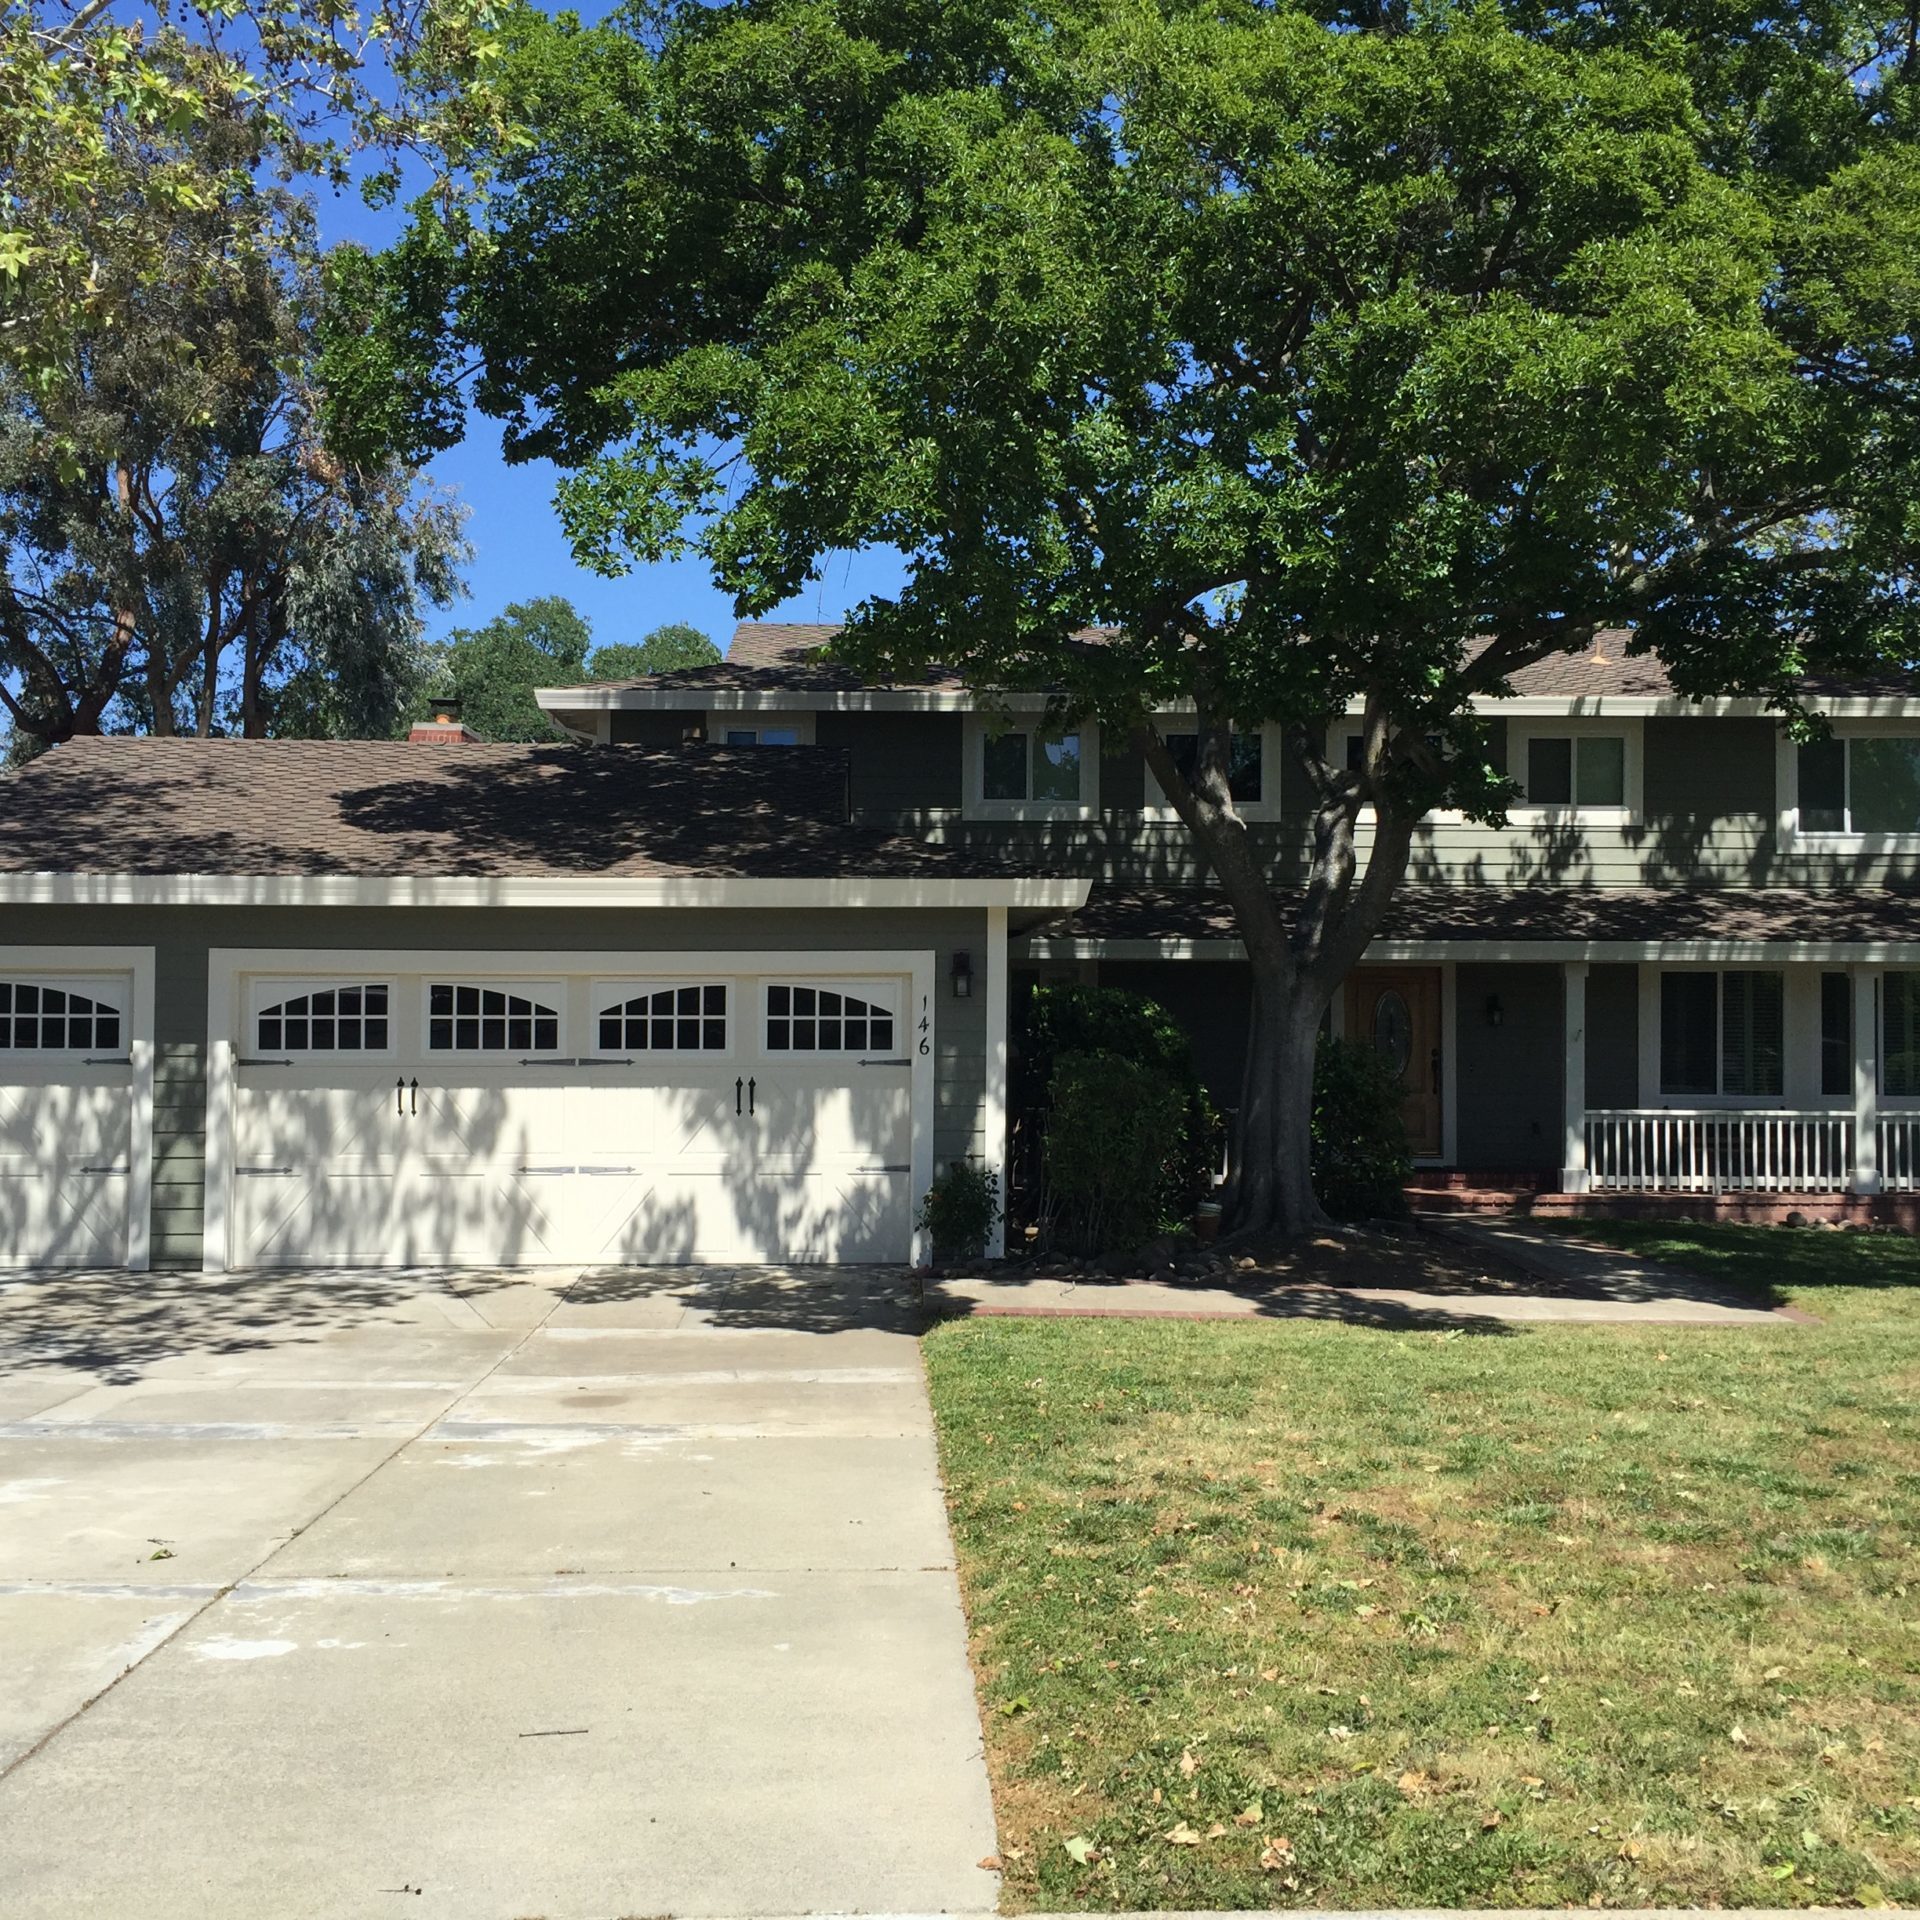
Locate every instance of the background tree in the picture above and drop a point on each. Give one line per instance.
(494, 669)
(179, 549)
(1339, 359)
(671, 648)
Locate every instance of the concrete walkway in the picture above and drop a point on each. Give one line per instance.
(1580, 1285)
(478, 1597)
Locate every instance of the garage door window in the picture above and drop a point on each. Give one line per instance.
(328, 1020)
(690, 1019)
(819, 1020)
(35, 1018)
(464, 1019)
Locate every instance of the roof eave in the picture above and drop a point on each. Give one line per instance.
(1017, 891)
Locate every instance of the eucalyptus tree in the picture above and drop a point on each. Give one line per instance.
(1335, 360)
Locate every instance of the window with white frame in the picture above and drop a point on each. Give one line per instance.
(465, 1017)
(1246, 762)
(1723, 1035)
(752, 727)
(1029, 765)
(787, 735)
(1859, 784)
(1900, 1033)
(1836, 1035)
(826, 1020)
(1569, 771)
(670, 1019)
(355, 1018)
(39, 1017)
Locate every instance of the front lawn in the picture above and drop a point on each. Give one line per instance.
(1303, 1614)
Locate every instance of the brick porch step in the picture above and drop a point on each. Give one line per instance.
(1900, 1211)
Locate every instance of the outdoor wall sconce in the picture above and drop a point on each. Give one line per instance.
(963, 976)
(1495, 1012)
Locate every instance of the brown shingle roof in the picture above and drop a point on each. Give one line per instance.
(1541, 913)
(768, 656)
(150, 806)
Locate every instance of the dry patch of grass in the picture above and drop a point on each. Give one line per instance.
(1312, 1615)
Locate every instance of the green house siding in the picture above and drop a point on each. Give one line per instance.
(181, 939)
(902, 763)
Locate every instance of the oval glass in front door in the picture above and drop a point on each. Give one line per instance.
(1393, 1031)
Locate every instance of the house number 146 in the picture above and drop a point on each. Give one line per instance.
(926, 1027)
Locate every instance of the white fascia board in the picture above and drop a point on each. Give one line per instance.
(1516, 952)
(344, 890)
(560, 701)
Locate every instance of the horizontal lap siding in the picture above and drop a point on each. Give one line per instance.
(181, 939)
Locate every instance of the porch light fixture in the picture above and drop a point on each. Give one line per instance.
(963, 975)
(1495, 1012)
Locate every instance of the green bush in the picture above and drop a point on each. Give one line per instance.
(1360, 1159)
(1063, 1017)
(1115, 1129)
(959, 1210)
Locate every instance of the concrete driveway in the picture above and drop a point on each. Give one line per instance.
(557, 1595)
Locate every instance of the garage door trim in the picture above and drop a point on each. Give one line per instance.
(138, 963)
(227, 967)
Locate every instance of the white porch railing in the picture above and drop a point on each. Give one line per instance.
(1716, 1150)
(1900, 1153)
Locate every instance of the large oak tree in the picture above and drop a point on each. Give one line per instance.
(1337, 358)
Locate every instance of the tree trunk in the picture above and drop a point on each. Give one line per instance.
(1272, 1176)
(1298, 956)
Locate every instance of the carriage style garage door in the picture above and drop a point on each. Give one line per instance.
(483, 1110)
(75, 1115)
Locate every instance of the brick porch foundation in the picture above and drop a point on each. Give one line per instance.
(1449, 1191)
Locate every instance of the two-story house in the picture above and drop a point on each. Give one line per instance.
(1690, 961)
(732, 989)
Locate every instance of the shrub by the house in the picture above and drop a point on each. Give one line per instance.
(1115, 1130)
(1360, 1159)
(959, 1210)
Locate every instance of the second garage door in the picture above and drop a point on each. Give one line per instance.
(443, 1117)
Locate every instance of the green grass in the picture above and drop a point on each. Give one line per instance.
(1838, 1275)
(1575, 1614)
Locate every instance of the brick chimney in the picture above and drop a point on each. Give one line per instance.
(445, 728)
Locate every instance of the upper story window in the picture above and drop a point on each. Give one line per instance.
(1583, 770)
(345, 1019)
(731, 727)
(1723, 1034)
(1253, 789)
(1246, 771)
(477, 1019)
(38, 1018)
(1029, 766)
(1029, 770)
(1859, 783)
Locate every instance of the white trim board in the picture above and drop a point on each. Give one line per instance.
(227, 966)
(559, 701)
(1518, 952)
(137, 962)
(548, 891)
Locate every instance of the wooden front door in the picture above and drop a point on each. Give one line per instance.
(1396, 1011)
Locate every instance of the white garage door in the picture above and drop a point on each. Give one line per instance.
(66, 1119)
(437, 1117)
